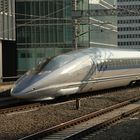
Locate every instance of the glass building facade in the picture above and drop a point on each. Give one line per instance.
(129, 25)
(7, 19)
(103, 28)
(45, 29)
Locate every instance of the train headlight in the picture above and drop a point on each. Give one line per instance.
(12, 89)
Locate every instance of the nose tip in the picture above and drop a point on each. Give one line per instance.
(13, 91)
(24, 88)
(19, 95)
(27, 92)
(16, 93)
(17, 90)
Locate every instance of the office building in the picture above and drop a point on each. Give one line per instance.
(128, 25)
(45, 28)
(7, 39)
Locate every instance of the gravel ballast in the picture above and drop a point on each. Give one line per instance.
(17, 125)
(129, 129)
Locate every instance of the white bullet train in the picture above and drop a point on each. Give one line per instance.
(79, 71)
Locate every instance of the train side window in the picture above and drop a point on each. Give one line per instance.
(130, 63)
(111, 64)
(101, 66)
(139, 63)
(107, 64)
(134, 63)
(115, 64)
(118, 64)
(124, 63)
(121, 63)
(98, 66)
(104, 65)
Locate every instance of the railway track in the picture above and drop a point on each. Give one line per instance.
(81, 127)
(11, 105)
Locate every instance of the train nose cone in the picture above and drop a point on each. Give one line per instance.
(23, 87)
(20, 92)
(27, 87)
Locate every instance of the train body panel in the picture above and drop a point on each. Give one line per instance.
(77, 72)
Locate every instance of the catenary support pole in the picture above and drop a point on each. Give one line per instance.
(74, 25)
(77, 103)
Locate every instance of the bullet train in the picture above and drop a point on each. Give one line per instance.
(79, 71)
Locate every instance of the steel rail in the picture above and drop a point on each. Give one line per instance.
(19, 108)
(102, 125)
(85, 118)
(24, 106)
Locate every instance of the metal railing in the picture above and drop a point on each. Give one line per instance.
(9, 79)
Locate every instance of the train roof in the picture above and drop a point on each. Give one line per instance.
(114, 53)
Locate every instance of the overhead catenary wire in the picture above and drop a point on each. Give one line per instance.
(47, 17)
(40, 17)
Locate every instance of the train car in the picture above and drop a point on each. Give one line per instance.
(79, 71)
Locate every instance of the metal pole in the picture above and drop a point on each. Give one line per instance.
(77, 103)
(88, 25)
(74, 25)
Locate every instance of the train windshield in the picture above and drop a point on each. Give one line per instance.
(54, 63)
